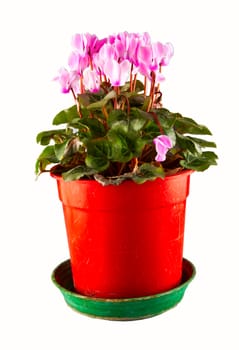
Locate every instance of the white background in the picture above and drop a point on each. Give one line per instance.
(202, 83)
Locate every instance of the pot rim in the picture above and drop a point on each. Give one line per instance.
(181, 172)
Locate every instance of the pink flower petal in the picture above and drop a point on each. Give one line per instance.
(124, 71)
(168, 53)
(79, 42)
(91, 80)
(162, 144)
(111, 69)
(145, 54)
(67, 80)
(117, 72)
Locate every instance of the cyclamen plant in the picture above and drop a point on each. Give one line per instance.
(117, 128)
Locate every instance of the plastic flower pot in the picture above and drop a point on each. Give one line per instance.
(125, 241)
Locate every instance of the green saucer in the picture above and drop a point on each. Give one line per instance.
(120, 309)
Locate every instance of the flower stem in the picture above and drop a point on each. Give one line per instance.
(91, 62)
(104, 110)
(157, 122)
(152, 90)
(146, 152)
(73, 93)
(145, 86)
(157, 89)
(131, 78)
(135, 165)
(126, 100)
(82, 89)
(77, 103)
(121, 169)
(134, 83)
(117, 90)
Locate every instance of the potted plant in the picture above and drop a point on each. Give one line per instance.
(122, 163)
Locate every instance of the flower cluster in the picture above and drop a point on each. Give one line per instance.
(112, 59)
(117, 128)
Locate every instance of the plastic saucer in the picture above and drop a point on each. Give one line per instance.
(125, 308)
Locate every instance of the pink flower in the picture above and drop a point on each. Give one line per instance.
(106, 53)
(68, 80)
(117, 72)
(87, 44)
(113, 59)
(121, 44)
(80, 43)
(133, 49)
(91, 80)
(162, 144)
(149, 59)
(158, 51)
(77, 62)
(167, 54)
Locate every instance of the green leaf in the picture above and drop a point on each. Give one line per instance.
(199, 163)
(186, 143)
(101, 103)
(118, 121)
(66, 116)
(126, 144)
(84, 99)
(136, 100)
(137, 146)
(120, 151)
(137, 120)
(202, 143)
(45, 137)
(139, 86)
(121, 126)
(77, 173)
(146, 103)
(151, 130)
(117, 116)
(125, 87)
(166, 118)
(60, 149)
(46, 157)
(97, 163)
(137, 124)
(147, 172)
(98, 154)
(87, 98)
(94, 126)
(185, 125)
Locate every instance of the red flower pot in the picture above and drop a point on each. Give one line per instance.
(125, 241)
